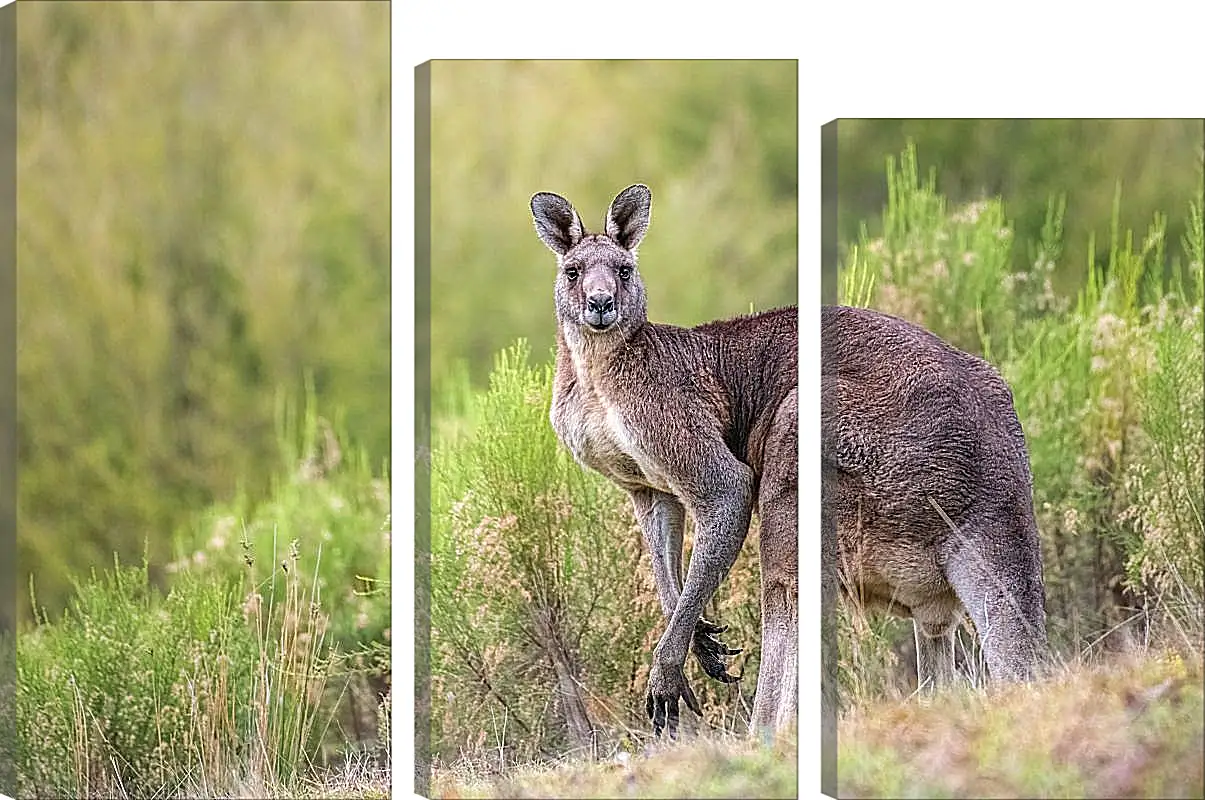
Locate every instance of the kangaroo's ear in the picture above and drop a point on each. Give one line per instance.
(628, 216)
(557, 223)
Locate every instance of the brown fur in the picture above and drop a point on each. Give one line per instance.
(700, 420)
(927, 492)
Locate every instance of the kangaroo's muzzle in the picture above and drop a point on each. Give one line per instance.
(600, 311)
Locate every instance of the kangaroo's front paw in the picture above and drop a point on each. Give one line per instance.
(667, 683)
(711, 652)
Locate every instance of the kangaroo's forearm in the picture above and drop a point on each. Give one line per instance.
(722, 523)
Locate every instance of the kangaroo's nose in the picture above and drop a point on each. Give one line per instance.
(600, 303)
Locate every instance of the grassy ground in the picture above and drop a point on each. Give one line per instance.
(1131, 727)
(704, 767)
(1126, 729)
(356, 781)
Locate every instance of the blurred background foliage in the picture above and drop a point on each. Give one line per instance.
(203, 222)
(716, 142)
(1025, 163)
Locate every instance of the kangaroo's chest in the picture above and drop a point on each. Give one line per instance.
(601, 436)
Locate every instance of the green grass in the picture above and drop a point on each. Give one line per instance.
(208, 690)
(258, 671)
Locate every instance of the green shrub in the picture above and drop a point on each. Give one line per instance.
(1164, 486)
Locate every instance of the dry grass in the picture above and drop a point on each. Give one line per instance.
(1126, 728)
(705, 767)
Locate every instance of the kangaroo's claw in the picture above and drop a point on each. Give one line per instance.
(710, 651)
(667, 685)
(709, 627)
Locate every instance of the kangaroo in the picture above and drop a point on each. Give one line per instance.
(700, 420)
(927, 493)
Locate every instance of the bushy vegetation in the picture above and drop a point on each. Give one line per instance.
(1108, 387)
(204, 219)
(262, 671)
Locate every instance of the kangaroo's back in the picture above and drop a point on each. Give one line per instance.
(912, 418)
(927, 481)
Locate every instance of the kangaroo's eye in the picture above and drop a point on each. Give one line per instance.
(625, 273)
(571, 273)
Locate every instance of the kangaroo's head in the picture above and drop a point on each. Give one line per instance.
(598, 289)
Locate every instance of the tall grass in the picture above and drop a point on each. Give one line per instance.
(203, 691)
(330, 500)
(262, 671)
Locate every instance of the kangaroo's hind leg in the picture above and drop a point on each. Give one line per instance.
(776, 702)
(934, 627)
(993, 562)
